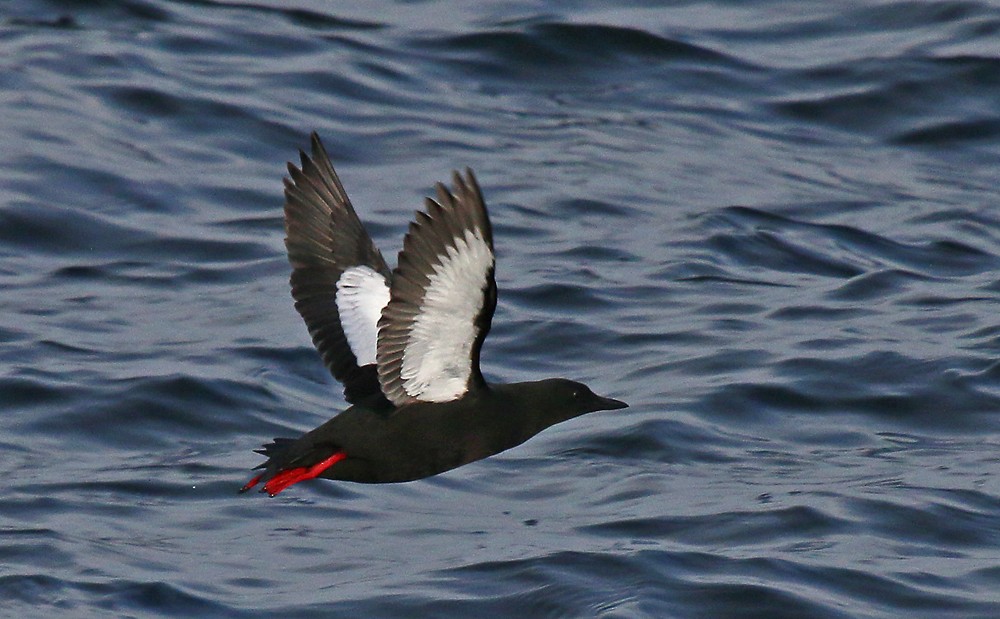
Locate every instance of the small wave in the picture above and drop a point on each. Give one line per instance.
(756, 238)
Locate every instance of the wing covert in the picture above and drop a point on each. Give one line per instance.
(442, 299)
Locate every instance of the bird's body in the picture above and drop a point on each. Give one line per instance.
(405, 343)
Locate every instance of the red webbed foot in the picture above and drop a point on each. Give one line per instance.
(250, 484)
(289, 477)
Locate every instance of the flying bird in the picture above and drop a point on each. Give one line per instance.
(405, 343)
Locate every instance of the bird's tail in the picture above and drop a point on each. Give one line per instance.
(280, 471)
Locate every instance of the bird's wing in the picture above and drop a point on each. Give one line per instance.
(340, 281)
(442, 298)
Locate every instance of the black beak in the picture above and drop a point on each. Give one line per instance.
(609, 404)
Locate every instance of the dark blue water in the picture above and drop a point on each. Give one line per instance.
(772, 227)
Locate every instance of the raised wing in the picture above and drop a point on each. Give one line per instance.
(441, 301)
(340, 281)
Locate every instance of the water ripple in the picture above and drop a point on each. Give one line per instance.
(770, 228)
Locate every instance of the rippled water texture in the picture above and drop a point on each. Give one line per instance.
(772, 227)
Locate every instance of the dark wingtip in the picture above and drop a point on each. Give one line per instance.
(317, 145)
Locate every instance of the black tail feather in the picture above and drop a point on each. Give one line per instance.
(276, 447)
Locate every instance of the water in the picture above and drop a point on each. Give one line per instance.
(771, 227)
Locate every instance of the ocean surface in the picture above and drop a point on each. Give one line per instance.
(773, 228)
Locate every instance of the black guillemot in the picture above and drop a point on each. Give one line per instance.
(405, 343)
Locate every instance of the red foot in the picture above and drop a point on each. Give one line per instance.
(293, 476)
(251, 483)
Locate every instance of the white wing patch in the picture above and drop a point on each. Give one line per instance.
(361, 295)
(437, 358)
